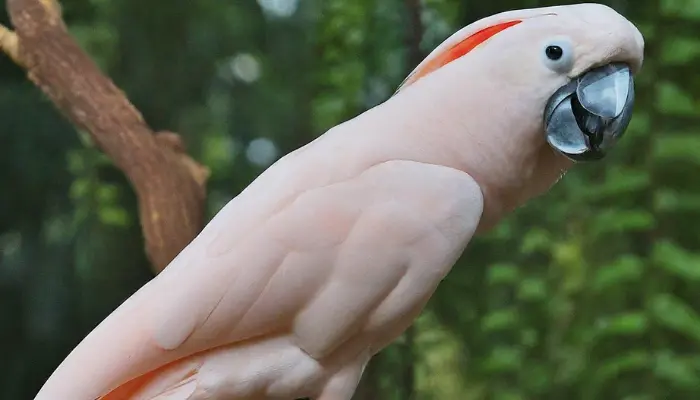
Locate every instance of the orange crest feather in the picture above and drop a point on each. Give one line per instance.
(457, 51)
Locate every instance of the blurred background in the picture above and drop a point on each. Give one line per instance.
(590, 292)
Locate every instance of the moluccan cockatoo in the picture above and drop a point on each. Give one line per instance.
(332, 252)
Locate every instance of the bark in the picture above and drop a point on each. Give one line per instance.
(170, 185)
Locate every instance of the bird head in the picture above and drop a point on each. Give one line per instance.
(529, 93)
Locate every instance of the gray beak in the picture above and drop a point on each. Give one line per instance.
(585, 118)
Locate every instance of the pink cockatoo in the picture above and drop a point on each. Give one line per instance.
(333, 251)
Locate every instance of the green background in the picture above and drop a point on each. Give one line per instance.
(589, 292)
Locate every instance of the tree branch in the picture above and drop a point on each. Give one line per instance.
(169, 184)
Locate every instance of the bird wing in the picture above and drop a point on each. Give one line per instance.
(362, 251)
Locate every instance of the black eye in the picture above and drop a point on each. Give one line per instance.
(558, 54)
(554, 52)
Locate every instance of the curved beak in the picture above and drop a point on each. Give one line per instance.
(586, 117)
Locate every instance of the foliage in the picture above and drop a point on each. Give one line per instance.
(587, 292)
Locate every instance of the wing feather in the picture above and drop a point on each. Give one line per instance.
(317, 268)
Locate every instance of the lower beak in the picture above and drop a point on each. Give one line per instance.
(585, 118)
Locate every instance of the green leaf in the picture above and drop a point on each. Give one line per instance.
(639, 397)
(626, 269)
(680, 50)
(676, 260)
(627, 324)
(676, 371)
(677, 146)
(501, 393)
(675, 201)
(619, 180)
(536, 240)
(218, 152)
(499, 320)
(502, 231)
(86, 139)
(529, 337)
(107, 194)
(622, 221)
(503, 359)
(499, 274)
(673, 100)
(76, 161)
(79, 188)
(674, 314)
(681, 8)
(621, 363)
(532, 289)
(113, 216)
(537, 377)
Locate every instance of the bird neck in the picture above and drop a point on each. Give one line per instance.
(505, 153)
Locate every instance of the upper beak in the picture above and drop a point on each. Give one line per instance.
(586, 117)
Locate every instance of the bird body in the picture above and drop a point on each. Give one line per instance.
(333, 251)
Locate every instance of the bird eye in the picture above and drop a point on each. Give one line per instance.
(558, 55)
(554, 52)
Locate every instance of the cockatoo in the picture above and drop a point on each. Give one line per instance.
(333, 251)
